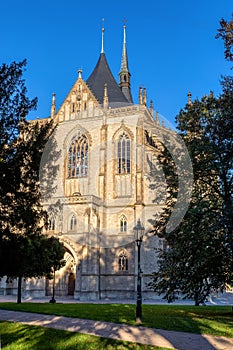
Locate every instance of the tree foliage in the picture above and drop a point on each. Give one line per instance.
(199, 254)
(225, 32)
(22, 217)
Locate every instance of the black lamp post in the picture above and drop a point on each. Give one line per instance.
(53, 300)
(139, 231)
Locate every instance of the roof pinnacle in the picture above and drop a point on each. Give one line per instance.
(189, 98)
(105, 101)
(80, 73)
(53, 107)
(102, 48)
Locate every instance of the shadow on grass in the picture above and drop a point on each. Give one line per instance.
(205, 320)
(15, 336)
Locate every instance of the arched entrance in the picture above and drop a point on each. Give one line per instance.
(64, 278)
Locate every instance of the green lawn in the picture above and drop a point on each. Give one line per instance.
(215, 320)
(15, 336)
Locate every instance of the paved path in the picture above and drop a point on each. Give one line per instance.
(156, 337)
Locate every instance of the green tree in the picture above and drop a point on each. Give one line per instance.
(225, 32)
(199, 254)
(35, 255)
(22, 217)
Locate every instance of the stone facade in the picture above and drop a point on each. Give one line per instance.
(104, 198)
(96, 183)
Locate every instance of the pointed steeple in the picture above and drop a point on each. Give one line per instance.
(103, 84)
(124, 73)
(124, 58)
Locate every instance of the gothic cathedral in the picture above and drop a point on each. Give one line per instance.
(100, 184)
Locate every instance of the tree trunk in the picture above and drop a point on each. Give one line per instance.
(196, 299)
(19, 294)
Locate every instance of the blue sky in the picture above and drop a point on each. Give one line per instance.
(171, 46)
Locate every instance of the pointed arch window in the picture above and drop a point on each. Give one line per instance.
(78, 157)
(123, 260)
(123, 224)
(123, 154)
(73, 223)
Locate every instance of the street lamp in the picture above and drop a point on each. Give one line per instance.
(53, 300)
(138, 232)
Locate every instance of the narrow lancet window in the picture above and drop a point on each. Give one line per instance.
(123, 224)
(123, 154)
(73, 223)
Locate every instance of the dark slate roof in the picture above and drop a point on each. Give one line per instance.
(102, 75)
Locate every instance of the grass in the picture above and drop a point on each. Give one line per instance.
(214, 320)
(15, 336)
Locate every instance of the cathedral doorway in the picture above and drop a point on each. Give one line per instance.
(65, 278)
(71, 284)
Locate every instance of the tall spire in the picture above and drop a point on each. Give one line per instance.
(124, 73)
(103, 84)
(102, 47)
(124, 58)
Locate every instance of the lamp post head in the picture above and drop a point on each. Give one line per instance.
(139, 231)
